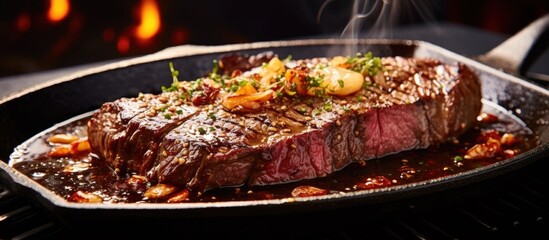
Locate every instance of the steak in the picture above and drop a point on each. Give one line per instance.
(413, 103)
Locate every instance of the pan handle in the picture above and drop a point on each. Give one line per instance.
(517, 54)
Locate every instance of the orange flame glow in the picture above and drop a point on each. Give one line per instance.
(149, 20)
(58, 10)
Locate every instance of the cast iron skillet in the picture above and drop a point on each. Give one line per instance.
(27, 113)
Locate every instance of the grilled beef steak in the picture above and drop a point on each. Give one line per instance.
(412, 103)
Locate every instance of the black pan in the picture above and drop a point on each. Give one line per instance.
(29, 112)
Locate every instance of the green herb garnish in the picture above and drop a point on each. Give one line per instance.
(175, 83)
(212, 116)
(201, 131)
(327, 107)
(365, 64)
(341, 83)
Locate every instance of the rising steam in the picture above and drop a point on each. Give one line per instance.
(376, 19)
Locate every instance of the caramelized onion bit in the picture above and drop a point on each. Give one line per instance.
(246, 90)
(273, 68)
(508, 139)
(136, 180)
(81, 146)
(159, 191)
(62, 138)
(60, 151)
(180, 196)
(296, 80)
(209, 93)
(484, 150)
(247, 101)
(78, 147)
(307, 191)
(84, 197)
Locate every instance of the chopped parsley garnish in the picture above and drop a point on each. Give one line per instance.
(287, 59)
(315, 81)
(163, 108)
(367, 84)
(185, 95)
(215, 67)
(179, 111)
(320, 92)
(234, 88)
(316, 112)
(212, 129)
(341, 83)
(201, 131)
(175, 83)
(212, 116)
(327, 107)
(242, 83)
(167, 116)
(365, 64)
(214, 75)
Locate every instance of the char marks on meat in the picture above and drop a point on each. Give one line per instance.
(412, 104)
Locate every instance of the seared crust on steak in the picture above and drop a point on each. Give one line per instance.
(414, 103)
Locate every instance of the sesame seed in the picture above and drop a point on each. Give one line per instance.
(338, 123)
(151, 113)
(163, 99)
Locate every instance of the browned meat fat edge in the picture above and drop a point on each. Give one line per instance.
(419, 103)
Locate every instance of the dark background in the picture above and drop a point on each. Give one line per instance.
(103, 30)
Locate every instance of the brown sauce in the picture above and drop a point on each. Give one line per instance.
(67, 175)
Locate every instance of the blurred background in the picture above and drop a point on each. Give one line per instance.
(38, 35)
